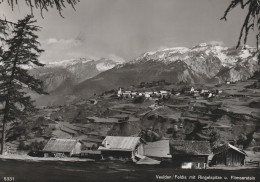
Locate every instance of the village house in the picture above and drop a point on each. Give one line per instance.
(163, 93)
(119, 92)
(127, 94)
(228, 155)
(156, 93)
(192, 90)
(134, 94)
(62, 148)
(148, 94)
(204, 91)
(189, 154)
(122, 147)
(219, 91)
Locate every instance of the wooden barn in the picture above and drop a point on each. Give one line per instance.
(189, 154)
(62, 147)
(122, 147)
(228, 155)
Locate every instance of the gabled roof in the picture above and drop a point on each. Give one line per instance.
(188, 147)
(120, 143)
(60, 145)
(226, 147)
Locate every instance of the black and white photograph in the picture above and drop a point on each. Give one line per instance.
(129, 90)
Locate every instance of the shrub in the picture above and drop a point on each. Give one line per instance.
(139, 100)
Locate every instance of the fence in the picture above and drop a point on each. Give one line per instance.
(253, 163)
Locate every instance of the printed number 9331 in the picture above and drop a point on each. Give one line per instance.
(8, 178)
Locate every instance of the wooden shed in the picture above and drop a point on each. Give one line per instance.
(122, 147)
(189, 154)
(228, 155)
(62, 147)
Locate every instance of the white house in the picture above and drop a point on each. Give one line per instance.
(134, 94)
(162, 93)
(119, 92)
(204, 91)
(148, 94)
(127, 94)
(192, 90)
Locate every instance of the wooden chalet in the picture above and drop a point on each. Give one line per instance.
(62, 148)
(228, 155)
(122, 147)
(189, 154)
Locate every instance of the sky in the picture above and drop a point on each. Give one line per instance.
(126, 29)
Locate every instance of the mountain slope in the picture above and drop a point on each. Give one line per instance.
(199, 64)
(60, 77)
(57, 74)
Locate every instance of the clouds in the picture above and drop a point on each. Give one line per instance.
(216, 42)
(58, 49)
(63, 43)
(51, 41)
(128, 28)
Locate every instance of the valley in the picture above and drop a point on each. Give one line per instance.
(129, 90)
(185, 112)
(157, 98)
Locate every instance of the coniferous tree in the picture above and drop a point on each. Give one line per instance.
(251, 21)
(44, 4)
(22, 50)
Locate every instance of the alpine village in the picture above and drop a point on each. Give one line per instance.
(192, 108)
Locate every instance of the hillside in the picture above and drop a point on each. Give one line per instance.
(199, 64)
(229, 116)
(60, 77)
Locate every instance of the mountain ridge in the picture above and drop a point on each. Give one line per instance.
(199, 64)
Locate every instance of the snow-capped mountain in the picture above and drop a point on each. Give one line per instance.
(200, 64)
(227, 56)
(64, 73)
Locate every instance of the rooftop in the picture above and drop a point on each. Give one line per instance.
(226, 147)
(60, 145)
(120, 143)
(157, 149)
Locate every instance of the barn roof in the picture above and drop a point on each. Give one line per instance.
(60, 145)
(120, 143)
(226, 147)
(188, 147)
